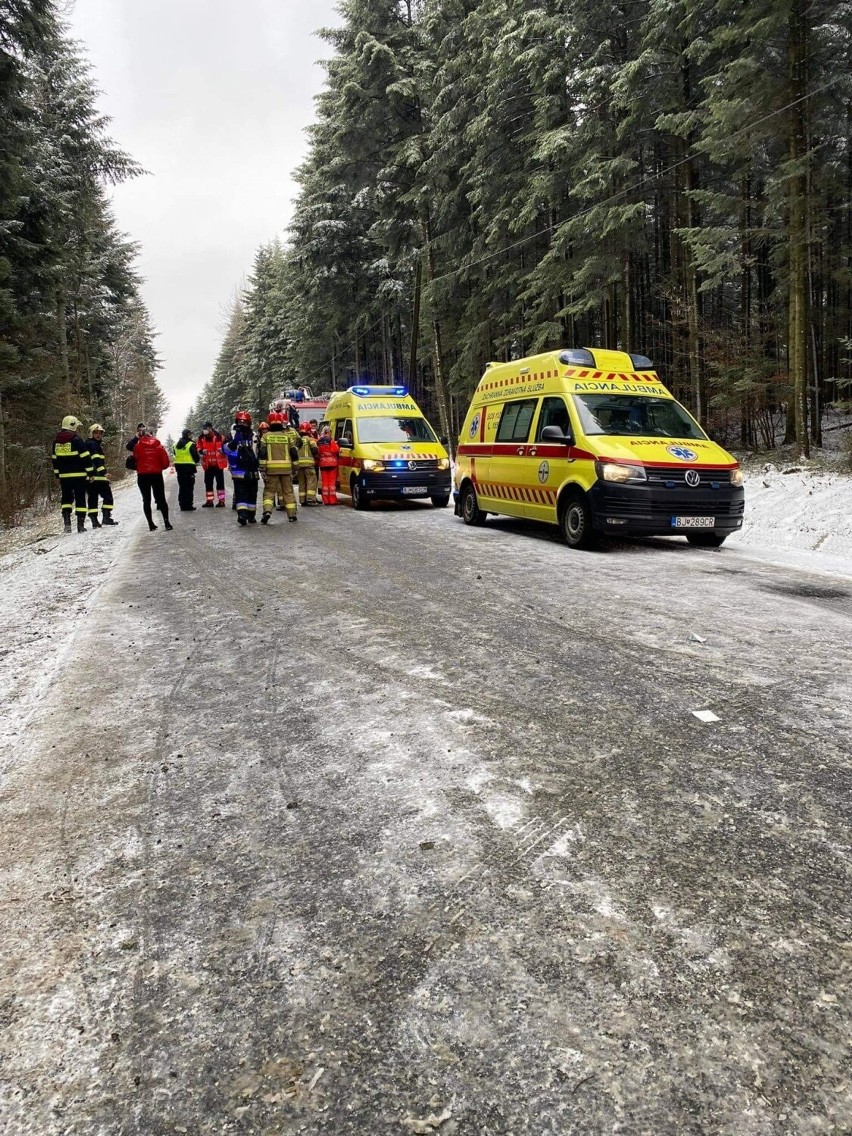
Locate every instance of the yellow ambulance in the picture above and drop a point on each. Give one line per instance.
(592, 441)
(387, 448)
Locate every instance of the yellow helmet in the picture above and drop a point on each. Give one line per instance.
(69, 422)
(96, 426)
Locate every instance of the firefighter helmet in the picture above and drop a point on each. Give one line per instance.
(305, 428)
(277, 417)
(263, 426)
(96, 428)
(69, 422)
(242, 418)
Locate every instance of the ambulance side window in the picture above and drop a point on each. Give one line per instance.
(554, 412)
(515, 421)
(341, 427)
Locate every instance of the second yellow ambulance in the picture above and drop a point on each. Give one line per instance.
(388, 450)
(592, 441)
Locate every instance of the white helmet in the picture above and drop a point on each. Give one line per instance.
(69, 422)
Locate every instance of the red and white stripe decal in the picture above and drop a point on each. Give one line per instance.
(521, 493)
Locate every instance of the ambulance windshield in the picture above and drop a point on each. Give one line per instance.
(392, 430)
(635, 414)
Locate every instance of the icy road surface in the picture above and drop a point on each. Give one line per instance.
(380, 824)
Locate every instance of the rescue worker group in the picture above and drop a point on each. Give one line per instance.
(287, 456)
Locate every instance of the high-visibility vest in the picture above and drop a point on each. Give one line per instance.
(182, 453)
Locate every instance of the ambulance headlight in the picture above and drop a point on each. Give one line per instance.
(737, 477)
(373, 466)
(443, 463)
(610, 471)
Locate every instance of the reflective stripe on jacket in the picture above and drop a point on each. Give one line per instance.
(307, 451)
(275, 455)
(96, 453)
(70, 457)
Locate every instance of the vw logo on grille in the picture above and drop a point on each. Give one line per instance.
(693, 478)
(412, 465)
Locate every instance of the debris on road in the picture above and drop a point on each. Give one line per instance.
(705, 716)
(430, 1124)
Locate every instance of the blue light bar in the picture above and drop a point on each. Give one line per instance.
(397, 392)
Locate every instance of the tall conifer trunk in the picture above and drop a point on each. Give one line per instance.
(797, 225)
(441, 392)
(62, 338)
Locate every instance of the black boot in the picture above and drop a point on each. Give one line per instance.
(264, 520)
(108, 520)
(242, 520)
(81, 524)
(66, 521)
(96, 524)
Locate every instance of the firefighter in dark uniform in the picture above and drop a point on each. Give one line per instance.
(99, 486)
(72, 464)
(186, 459)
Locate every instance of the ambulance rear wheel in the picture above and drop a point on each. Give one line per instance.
(441, 500)
(470, 510)
(359, 497)
(575, 521)
(706, 539)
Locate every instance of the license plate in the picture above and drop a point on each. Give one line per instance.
(415, 489)
(693, 522)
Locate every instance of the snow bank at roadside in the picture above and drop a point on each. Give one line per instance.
(49, 587)
(798, 516)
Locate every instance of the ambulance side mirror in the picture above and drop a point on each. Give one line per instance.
(444, 440)
(345, 442)
(554, 434)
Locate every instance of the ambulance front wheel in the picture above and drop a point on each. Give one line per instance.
(575, 521)
(441, 500)
(706, 539)
(470, 510)
(360, 500)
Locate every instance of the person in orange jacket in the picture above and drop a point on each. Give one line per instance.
(329, 460)
(214, 463)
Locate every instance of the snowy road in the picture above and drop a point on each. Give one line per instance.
(379, 824)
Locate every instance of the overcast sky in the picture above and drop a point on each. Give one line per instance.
(212, 97)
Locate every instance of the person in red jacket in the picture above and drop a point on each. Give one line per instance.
(214, 463)
(151, 459)
(329, 459)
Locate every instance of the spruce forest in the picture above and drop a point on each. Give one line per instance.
(75, 337)
(490, 178)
